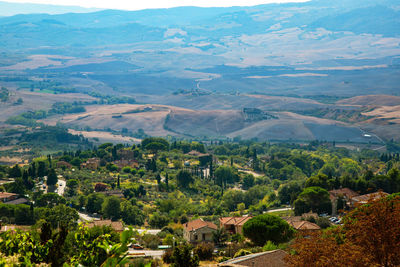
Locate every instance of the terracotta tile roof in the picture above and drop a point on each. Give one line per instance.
(274, 258)
(304, 225)
(6, 194)
(292, 219)
(17, 201)
(367, 197)
(117, 226)
(234, 220)
(348, 193)
(197, 224)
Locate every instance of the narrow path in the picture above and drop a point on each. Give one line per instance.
(282, 209)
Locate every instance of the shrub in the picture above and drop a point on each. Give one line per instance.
(182, 257)
(267, 227)
(167, 257)
(204, 251)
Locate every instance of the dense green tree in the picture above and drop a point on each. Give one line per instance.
(23, 215)
(314, 199)
(58, 215)
(231, 199)
(288, 193)
(94, 203)
(184, 178)
(220, 236)
(16, 187)
(41, 171)
(72, 186)
(322, 180)
(15, 172)
(49, 200)
(52, 178)
(149, 140)
(225, 175)
(111, 208)
(182, 257)
(266, 227)
(131, 214)
(248, 181)
(156, 146)
(158, 220)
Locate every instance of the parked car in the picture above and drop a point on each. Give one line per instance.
(137, 247)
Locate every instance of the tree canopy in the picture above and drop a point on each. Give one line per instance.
(369, 237)
(266, 227)
(314, 199)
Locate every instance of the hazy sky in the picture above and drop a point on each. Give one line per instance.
(143, 4)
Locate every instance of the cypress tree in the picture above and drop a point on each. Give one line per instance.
(52, 177)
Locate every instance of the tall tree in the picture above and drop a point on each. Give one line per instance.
(184, 178)
(41, 171)
(112, 208)
(15, 172)
(314, 199)
(266, 227)
(369, 237)
(52, 178)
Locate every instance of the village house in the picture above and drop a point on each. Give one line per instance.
(12, 199)
(6, 197)
(126, 163)
(345, 193)
(274, 258)
(303, 217)
(100, 187)
(91, 164)
(199, 231)
(63, 164)
(300, 223)
(233, 225)
(363, 199)
(304, 225)
(117, 226)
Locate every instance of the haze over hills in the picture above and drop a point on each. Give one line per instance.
(11, 9)
(294, 57)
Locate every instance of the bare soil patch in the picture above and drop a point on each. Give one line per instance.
(371, 100)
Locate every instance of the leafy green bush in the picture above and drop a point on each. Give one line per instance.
(266, 227)
(204, 251)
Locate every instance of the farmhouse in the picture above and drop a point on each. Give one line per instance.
(198, 231)
(234, 225)
(345, 193)
(91, 164)
(126, 163)
(304, 226)
(63, 164)
(359, 200)
(6, 197)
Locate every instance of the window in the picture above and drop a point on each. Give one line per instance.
(204, 236)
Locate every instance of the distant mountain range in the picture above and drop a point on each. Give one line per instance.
(345, 47)
(11, 9)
